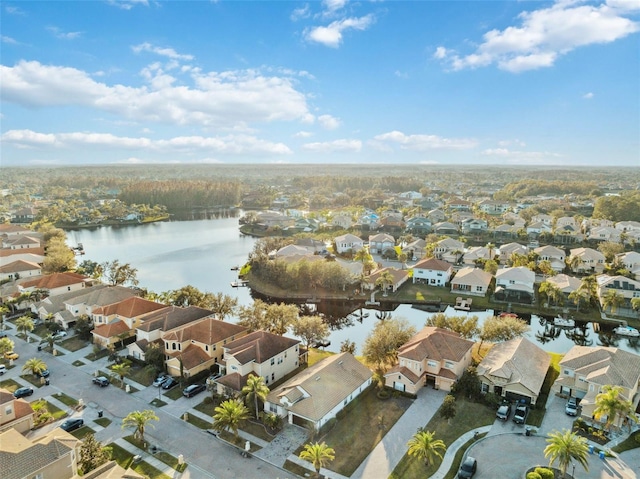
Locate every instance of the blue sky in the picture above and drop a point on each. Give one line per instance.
(432, 82)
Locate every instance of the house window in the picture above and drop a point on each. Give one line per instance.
(432, 364)
(273, 361)
(173, 346)
(8, 410)
(206, 347)
(273, 376)
(448, 364)
(214, 347)
(484, 388)
(479, 289)
(273, 408)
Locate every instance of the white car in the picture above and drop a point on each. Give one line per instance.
(571, 409)
(59, 335)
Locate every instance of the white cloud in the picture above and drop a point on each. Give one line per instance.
(329, 122)
(331, 35)
(505, 143)
(127, 4)
(10, 9)
(63, 35)
(6, 39)
(546, 34)
(166, 52)
(332, 6)
(588, 96)
(624, 5)
(300, 13)
(425, 142)
(225, 99)
(228, 145)
(335, 146)
(303, 134)
(400, 74)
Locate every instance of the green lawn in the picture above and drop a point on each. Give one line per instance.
(102, 353)
(77, 363)
(73, 344)
(174, 393)
(124, 458)
(170, 461)
(631, 442)
(82, 432)
(33, 379)
(66, 400)
(364, 425)
(457, 459)
(158, 402)
(10, 385)
(103, 421)
(296, 469)
(200, 423)
(469, 416)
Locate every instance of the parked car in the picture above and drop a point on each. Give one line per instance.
(44, 373)
(572, 407)
(11, 355)
(192, 390)
(72, 424)
(468, 468)
(3, 369)
(503, 412)
(23, 392)
(59, 335)
(169, 383)
(521, 413)
(159, 380)
(101, 381)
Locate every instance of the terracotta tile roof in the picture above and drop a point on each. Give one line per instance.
(604, 365)
(12, 228)
(172, 317)
(130, 308)
(324, 386)
(192, 356)
(22, 240)
(55, 280)
(6, 252)
(21, 407)
(433, 264)
(206, 330)
(111, 330)
(435, 343)
(20, 265)
(406, 372)
(259, 347)
(234, 381)
(96, 297)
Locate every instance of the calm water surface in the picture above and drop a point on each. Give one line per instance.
(201, 253)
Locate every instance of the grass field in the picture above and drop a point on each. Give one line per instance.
(66, 400)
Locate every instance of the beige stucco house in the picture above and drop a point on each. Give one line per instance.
(434, 356)
(472, 281)
(514, 370)
(15, 413)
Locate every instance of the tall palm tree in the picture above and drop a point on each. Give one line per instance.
(579, 296)
(385, 280)
(34, 365)
(362, 255)
(24, 324)
(121, 370)
(564, 447)
(255, 390)
(318, 454)
(610, 403)
(425, 446)
(139, 420)
(612, 300)
(550, 291)
(575, 262)
(229, 415)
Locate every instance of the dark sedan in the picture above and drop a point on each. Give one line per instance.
(72, 424)
(23, 392)
(169, 383)
(194, 389)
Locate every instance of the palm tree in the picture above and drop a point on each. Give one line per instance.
(425, 446)
(550, 291)
(4, 309)
(229, 415)
(610, 403)
(579, 296)
(318, 454)
(255, 390)
(564, 447)
(635, 304)
(34, 365)
(121, 370)
(24, 325)
(384, 280)
(139, 421)
(612, 300)
(575, 262)
(362, 255)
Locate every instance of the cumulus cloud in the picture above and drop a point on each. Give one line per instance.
(303, 134)
(127, 4)
(588, 96)
(546, 34)
(335, 146)
(63, 35)
(331, 35)
(332, 6)
(227, 145)
(224, 99)
(425, 142)
(6, 39)
(329, 122)
(166, 52)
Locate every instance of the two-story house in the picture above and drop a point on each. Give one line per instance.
(449, 250)
(625, 287)
(588, 261)
(15, 413)
(432, 271)
(555, 256)
(380, 243)
(434, 356)
(584, 370)
(471, 280)
(261, 353)
(515, 284)
(631, 261)
(415, 250)
(348, 243)
(56, 283)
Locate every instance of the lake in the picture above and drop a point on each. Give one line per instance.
(201, 253)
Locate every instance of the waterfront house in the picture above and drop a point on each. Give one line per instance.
(625, 287)
(555, 257)
(56, 283)
(432, 271)
(585, 370)
(591, 261)
(317, 394)
(434, 356)
(470, 280)
(20, 242)
(514, 370)
(19, 270)
(565, 283)
(399, 277)
(515, 284)
(348, 243)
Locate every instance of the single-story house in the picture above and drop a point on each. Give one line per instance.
(472, 281)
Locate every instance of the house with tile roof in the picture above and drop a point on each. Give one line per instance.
(400, 276)
(381, 242)
(53, 455)
(434, 356)
(477, 253)
(19, 269)
(150, 330)
(56, 283)
(198, 345)
(585, 370)
(348, 243)
(261, 353)
(625, 287)
(514, 370)
(415, 250)
(432, 271)
(15, 413)
(631, 261)
(20, 242)
(508, 249)
(590, 261)
(35, 255)
(565, 283)
(555, 256)
(471, 280)
(449, 250)
(515, 284)
(9, 229)
(317, 394)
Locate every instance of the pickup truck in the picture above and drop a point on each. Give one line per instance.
(521, 413)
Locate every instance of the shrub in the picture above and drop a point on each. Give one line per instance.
(533, 475)
(544, 473)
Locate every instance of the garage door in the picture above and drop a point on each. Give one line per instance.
(398, 386)
(515, 397)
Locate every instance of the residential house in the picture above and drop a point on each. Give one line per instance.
(259, 353)
(53, 455)
(555, 256)
(291, 250)
(24, 215)
(631, 261)
(507, 250)
(604, 233)
(399, 277)
(445, 228)
(506, 231)
(473, 281)
(514, 370)
(537, 227)
(21, 242)
(149, 332)
(542, 218)
(449, 250)
(380, 243)
(13, 230)
(270, 219)
(457, 204)
(34, 255)
(432, 271)
(348, 243)
(392, 223)
(627, 226)
(625, 287)
(436, 216)
(474, 225)
(591, 261)
(585, 370)
(198, 345)
(492, 207)
(317, 394)
(477, 253)
(19, 269)
(567, 221)
(415, 250)
(566, 284)
(369, 220)
(56, 283)
(14, 413)
(434, 356)
(342, 220)
(418, 225)
(513, 219)
(515, 284)
(411, 195)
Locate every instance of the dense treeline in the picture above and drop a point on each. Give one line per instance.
(523, 188)
(625, 207)
(183, 195)
(395, 184)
